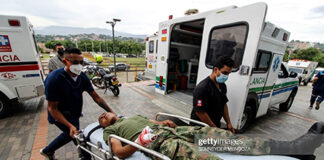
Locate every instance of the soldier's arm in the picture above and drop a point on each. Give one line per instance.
(121, 151)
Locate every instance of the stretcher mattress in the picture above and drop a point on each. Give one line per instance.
(97, 136)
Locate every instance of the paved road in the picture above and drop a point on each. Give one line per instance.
(139, 98)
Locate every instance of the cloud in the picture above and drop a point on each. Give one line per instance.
(143, 17)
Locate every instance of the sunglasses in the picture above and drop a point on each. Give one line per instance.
(76, 62)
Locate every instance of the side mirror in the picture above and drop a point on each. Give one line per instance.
(293, 74)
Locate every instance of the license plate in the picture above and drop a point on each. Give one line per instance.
(150, 66)
(115, 82)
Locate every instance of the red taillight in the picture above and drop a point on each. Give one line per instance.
(161, 81)
(13, 22)
(285, 36)
(165, 31)
(170, 16)
(146, 39)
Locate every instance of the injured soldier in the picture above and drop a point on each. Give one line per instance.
(178, 142)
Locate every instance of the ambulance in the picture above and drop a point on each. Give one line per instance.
(189, 45)
(305, 69)
(21, 76)
(151, 49)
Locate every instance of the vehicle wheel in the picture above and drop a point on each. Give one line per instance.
(286, 105)
(115, 91)
(98, 83)
(247, 118)
(4, 106)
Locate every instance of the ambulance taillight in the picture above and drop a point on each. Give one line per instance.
(285, 36)
(14, 22)
(161, 81)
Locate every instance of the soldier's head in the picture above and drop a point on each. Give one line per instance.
(222, 68)
(107, 119)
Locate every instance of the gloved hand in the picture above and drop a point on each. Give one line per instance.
(146, 137)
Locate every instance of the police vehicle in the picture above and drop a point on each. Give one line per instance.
(21, 76)
(188, 46)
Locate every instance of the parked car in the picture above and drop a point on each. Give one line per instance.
(120, 67)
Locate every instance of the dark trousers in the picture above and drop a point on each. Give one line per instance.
(316, 94)
(64, 137)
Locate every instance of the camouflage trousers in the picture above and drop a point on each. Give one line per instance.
(179, 143)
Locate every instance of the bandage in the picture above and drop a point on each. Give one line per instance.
(146, 137)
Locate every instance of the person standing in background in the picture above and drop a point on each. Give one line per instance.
(56, 61)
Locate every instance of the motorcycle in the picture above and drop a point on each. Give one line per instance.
(106, 81)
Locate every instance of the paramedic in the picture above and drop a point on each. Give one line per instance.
(63, 90)
(56, 61)
(182, 142)
(318, 90)
(209, 96)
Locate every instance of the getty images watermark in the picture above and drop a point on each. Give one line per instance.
(215, 144)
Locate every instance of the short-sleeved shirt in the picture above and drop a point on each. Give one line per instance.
(55, 63)
(208, 98)
(60, 87)
(319, 84)
(128, 128)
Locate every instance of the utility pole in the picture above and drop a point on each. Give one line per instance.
(113, 23)
(92, 45)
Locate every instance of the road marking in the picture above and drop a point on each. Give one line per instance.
(41, 135)
(300, 117)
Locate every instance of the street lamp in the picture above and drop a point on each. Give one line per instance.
(113, 23)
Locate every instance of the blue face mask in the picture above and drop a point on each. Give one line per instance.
(222, 78)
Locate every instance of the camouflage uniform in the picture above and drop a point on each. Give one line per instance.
(179, 142)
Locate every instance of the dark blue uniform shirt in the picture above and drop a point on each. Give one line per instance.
(319, 84)
(59, 86)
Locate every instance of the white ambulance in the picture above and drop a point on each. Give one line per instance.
(189, 45)
(21, 75)
(151, 53)
(304, 68)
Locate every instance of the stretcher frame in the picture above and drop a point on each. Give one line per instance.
(87, 146)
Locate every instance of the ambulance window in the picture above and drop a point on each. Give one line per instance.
(283, 73)
(151, 46)
(263, 62)
(227, 41)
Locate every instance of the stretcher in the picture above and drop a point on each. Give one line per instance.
(95, 145)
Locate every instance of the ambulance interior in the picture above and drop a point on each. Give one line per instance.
(184, 54)
(186, 39)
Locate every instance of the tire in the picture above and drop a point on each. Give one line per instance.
(247, 118)
(4, 106)
(96, 82)
(115, 91)
(284, 107)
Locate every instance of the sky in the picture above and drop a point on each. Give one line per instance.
(304, 19)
